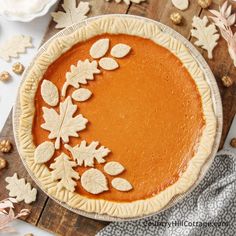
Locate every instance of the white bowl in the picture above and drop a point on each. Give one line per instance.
(30, 17)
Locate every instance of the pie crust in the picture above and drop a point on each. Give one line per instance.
(114, 25)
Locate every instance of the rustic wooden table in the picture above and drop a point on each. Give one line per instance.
(47, 214)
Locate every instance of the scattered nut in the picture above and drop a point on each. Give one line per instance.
(227, 81)
(18, 68)
(4, 76)
(5, 146)
(204, 3)
(3, 163)
(233, 142)
(176, 18)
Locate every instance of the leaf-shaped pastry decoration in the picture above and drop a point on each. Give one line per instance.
(128, 1)
(207, 36)
(72, 13)
(113, 168)
(81, 95)
(108, 63)
(120, 50)
(86, 154)
(49, 93)
(181, 4)
(44, 152)
(94, 181)
(63, 171)
(14, 46)
(63, 125)
(20, 189)
(99, 48)
(121, 184)
(79, 74)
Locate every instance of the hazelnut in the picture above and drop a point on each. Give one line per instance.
(18, 68)
(176, 18)
(3, 163)
(227, 81)
(233, 142)
(204, 3)
(5, 146)
(4, 76)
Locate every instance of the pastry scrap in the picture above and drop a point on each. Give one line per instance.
(181, 4)
(20, 189)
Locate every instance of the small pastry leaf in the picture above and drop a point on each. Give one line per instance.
(44, 152)
(121, 184)
(113, 168)
(108, 63)
(49, 93)
(120, 50)
(81, 95)
(94, 181)
(99, 48)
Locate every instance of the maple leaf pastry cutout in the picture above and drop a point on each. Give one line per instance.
(63, 125)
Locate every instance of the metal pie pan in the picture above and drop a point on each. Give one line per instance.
(217, 105)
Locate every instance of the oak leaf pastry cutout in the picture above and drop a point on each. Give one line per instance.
(94, 181)
(44, 152)
(99, 48)
(207, 36)
(121, 184)
(79, 74)
(72, 13)
(85, 155)
(128, 1)
(181, 4)
(63, 125)
(120, 50)
(20, 189)
(108, 63)
(49, 93)
(113, 168)
(81, 95)
(64, 172)
(14, 46)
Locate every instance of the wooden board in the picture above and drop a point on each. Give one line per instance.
(47, 214)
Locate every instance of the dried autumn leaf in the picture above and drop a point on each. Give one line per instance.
(121, 184)
(63, 171)
(120, 50)
(79, 74)
(44, 152)
(207, 36)
(72, 13)
(63, 125)
(99, 48)
(108, 63)
(21, 190)
(86, 154)
(81, 95)
(113, 168)
(14, 46)
(94, 181)
(49, 93)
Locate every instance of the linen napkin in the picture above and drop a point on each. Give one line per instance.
(209, 210)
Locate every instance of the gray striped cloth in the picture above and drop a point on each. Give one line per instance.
(210, 210)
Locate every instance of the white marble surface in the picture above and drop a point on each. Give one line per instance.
(36, 29)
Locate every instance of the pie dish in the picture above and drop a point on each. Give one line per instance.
(125, 84)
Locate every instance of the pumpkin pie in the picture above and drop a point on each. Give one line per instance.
(116, 118)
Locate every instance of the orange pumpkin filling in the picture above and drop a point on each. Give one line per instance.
(148, 113)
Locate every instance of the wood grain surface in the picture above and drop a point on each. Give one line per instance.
(47, 214)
